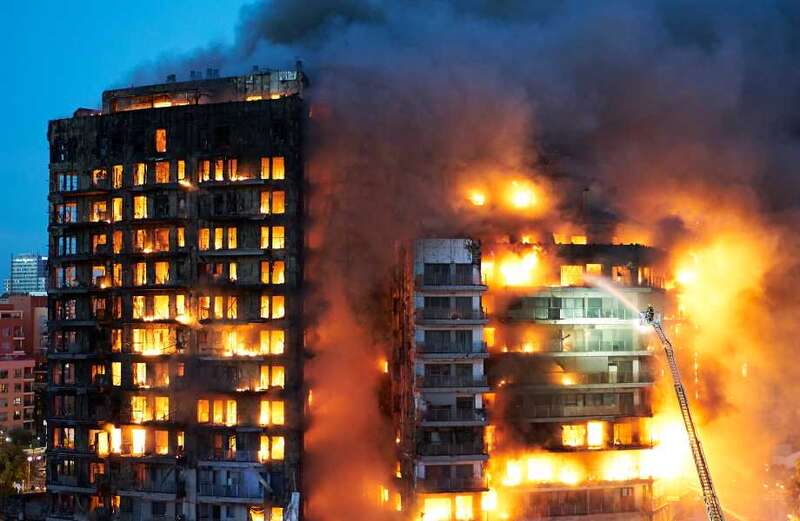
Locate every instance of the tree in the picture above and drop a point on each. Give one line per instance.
(12, 467)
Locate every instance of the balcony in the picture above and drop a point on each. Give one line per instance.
(454, 415)
(452, 380)
(242, 456)
(580, 411)
(166, 487)
(472, 448)
(563, 379)
(453, 348)
(237, 490)
(449, 281)
(438, 315)
(465, 484)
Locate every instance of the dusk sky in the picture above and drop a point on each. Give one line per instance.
(58, 56)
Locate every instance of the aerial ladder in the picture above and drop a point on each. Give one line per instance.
(713, 508)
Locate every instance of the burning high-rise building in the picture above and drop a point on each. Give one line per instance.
(176, 246)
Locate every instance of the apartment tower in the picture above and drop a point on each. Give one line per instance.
(175, 385)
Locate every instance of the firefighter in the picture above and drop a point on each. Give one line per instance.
(650, 314)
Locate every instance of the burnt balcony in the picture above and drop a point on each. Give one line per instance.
(431, 314)
(237, 490)
(470, 448)
(451, 348)
(454, 415)
(579, 411)
(452, 380)
(242, 456)
(452, 484)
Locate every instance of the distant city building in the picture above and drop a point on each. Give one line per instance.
(16, 393)
(28, 274)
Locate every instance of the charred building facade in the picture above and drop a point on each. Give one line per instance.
(175, 385)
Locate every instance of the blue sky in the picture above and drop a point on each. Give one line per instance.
(57, 56)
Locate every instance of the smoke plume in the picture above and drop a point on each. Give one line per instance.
(680, 115)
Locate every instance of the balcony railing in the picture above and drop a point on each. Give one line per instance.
(470, 483)
(450, 314)
(448, 279)
(450, 414)
(167, 487)
(237, 490)
(451, 348)
(453, 381)
(249, 456)
(571, 411)
(451, 449)
(621, 377)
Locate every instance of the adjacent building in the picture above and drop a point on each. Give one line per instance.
(28, 274)
(175, 380)
(439, 379)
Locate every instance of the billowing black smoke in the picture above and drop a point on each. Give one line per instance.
(677, 109)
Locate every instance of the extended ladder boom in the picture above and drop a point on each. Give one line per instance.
(713, 508)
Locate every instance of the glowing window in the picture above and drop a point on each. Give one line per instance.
(162, 442)
(138, 306)
(278, 237)
(162, 272)
(162, 408)
(278, 272)
(573, 435)
(265, 272)
(263, 381)
(116, 176)
(277, 339)
(230, 412)
(218, 238)
(264, 413)
(161, 307)
(204, 307)
(140, 374)
(117, 241)
(202, 411)
(264, 310)
(264, 237)
(278, 447)
(278, 168)
(464, 508)
(571, 275)
(263, 448)
(139, 174)
(203, 239)
(264, 207)
(278, 202)
(233, 271)
(232, 238)
(116, 373)
(277, 416)
(278, 376)
(140, 207)
(180, 305)
(99, 211)
(205, 170)
(218, 166)
(116, 209)
(181, 170)
(233, 169)
(233, 307)
(278, 307)
(161, 239)
(437, 509)
(595, 434)
(218, 305)
(140, 274)
(139, 437)
(264, 168)
(181, 237)
(595, 270)
(162, 171)
(161, 140)
(116, 276)
(219, 411)
(139, 409)
(276, 514)
(116, 340)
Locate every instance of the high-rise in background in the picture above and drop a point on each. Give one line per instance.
(28, 274)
